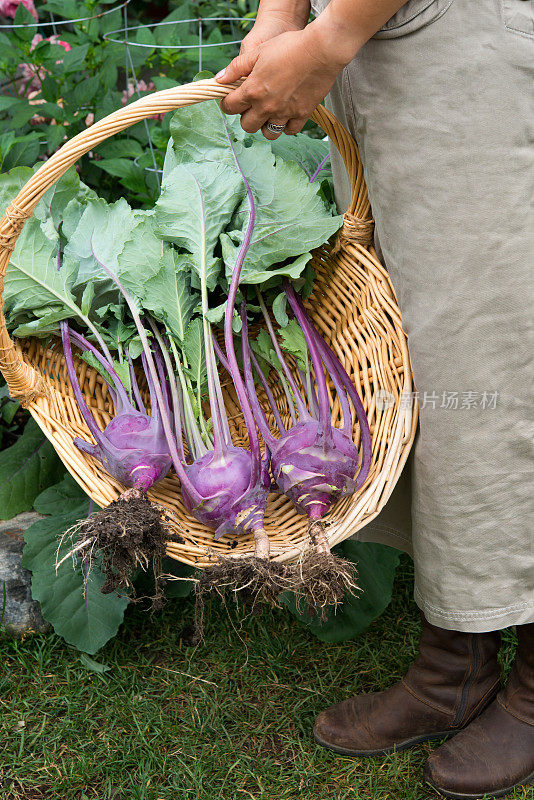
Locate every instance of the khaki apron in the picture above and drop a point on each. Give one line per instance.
(441, 104)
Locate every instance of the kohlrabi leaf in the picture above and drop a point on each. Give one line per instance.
(33, 285)
(289, 223)
(200, 133)
(105, 229)
(263, 347)
(293, 342)
(196, 203)
(67, 189)
(279, 309)
(86, 620)
(168, 294)
(312, 155)
(141, 256)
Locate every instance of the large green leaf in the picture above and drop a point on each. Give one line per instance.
(196, 204)
(33, 285)
(168, 294)
(26, 468)
(201, 133)
(289, 222)
(105, 229)
(376, 571)
(88, 620)
(290, 215)
(36, 292)
(312, 155)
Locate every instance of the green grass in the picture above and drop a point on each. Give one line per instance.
(230, 718)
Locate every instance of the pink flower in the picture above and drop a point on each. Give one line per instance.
(142, 86)
(52, 39)
(8, 8)
(32, 78)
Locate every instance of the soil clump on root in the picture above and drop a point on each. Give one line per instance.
(128, 533)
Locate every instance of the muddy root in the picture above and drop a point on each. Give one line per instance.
(247, 580)
(322, 580)
(129, 533)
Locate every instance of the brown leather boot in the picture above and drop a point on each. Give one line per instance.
(455, 676)
(495, 754)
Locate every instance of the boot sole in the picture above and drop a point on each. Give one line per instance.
(529, 780)
(342, 751)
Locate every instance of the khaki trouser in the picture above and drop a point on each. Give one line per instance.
(441, 105)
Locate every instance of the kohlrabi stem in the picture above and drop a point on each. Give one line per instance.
(197, 446)
(268, 393)
(301, 405)
(174, 391)
(219, 445)
(220, 355)
(241, 391)
(322, 390)
(305, 377)
(334, 365)
(224, 417)
(80, 400)
(195, 496)
(289, 397)
(118, 395)
(135, 386)
(259, 413)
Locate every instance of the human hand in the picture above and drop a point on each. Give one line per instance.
(286, 77)
(272, 24)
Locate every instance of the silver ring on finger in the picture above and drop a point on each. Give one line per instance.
(273, 128)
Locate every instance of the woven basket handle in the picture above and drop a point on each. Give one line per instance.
(23, 381)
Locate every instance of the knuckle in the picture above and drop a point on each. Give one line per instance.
(254, 92)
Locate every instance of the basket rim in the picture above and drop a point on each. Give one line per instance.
(27, 384)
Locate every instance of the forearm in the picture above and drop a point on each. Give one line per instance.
(345, 25)
(296, 12)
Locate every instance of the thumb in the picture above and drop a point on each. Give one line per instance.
(240, 67)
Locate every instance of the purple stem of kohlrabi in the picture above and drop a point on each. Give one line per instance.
(310, 391)
(118, 394)
(334, 366)
(195, 496)
(177, 411)
(80, 400)
(268, 393)
(220, 355)
(301, 405)
(259, 413)
(319, 168)
(135, 386)
(224, 362)
(154, 407)
(222, 358)
(229, 334)
(322, 389)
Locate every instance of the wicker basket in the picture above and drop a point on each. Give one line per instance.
(353, 305)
